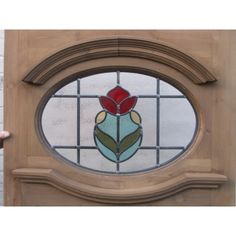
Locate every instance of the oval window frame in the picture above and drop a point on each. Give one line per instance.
(81, 75)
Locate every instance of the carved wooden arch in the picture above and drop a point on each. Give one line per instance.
(119, 47)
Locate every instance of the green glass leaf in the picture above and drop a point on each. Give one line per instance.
(105, 139)
(130, 139)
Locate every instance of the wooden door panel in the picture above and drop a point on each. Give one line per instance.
(198, 62)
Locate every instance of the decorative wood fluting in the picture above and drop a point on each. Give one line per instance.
(119, 47)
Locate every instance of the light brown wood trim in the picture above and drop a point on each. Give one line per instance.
(119, 47)
(188, 180)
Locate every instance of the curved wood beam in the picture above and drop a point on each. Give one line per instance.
(188, 180)
(119, 47)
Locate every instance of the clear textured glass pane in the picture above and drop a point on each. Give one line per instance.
(69, 154)
(1, 65)
(59, 121)
(1, 160)
(166, 155)
(1, 43)
(1, 112)
(146, 107)
(1, 81)
(177, 122)
(138, 84)
(1, 91)
(94, 160)
(143, 159)
(89, 109)
(98, 84)
(1, 177)
(69, 89)
(167, 89)
(1, 150)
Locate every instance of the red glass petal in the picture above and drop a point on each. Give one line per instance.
(127, 104)
(118, 94)
(108, 104)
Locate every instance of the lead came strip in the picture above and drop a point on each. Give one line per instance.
(158, 122)
(118, 130)
(78, 121)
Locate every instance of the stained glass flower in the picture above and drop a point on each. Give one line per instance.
(118, 101)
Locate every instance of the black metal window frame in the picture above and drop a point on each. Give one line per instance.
(157, 147)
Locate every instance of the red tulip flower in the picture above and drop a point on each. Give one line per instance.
(118, 101)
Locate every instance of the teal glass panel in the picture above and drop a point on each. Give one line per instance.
(109, 125)
(129, 140)
(105, 151)
(127, 126)
(106, 140)
(130, 151)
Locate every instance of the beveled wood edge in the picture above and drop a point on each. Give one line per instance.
(187, 180)
(119, 47)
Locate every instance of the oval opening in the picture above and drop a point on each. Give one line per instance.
(119, 122)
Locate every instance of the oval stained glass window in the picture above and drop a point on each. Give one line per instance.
(119, 122)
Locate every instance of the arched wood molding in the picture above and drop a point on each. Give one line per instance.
(188, 180)
(119, 47)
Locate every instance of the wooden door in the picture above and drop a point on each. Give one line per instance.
(198, 63)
